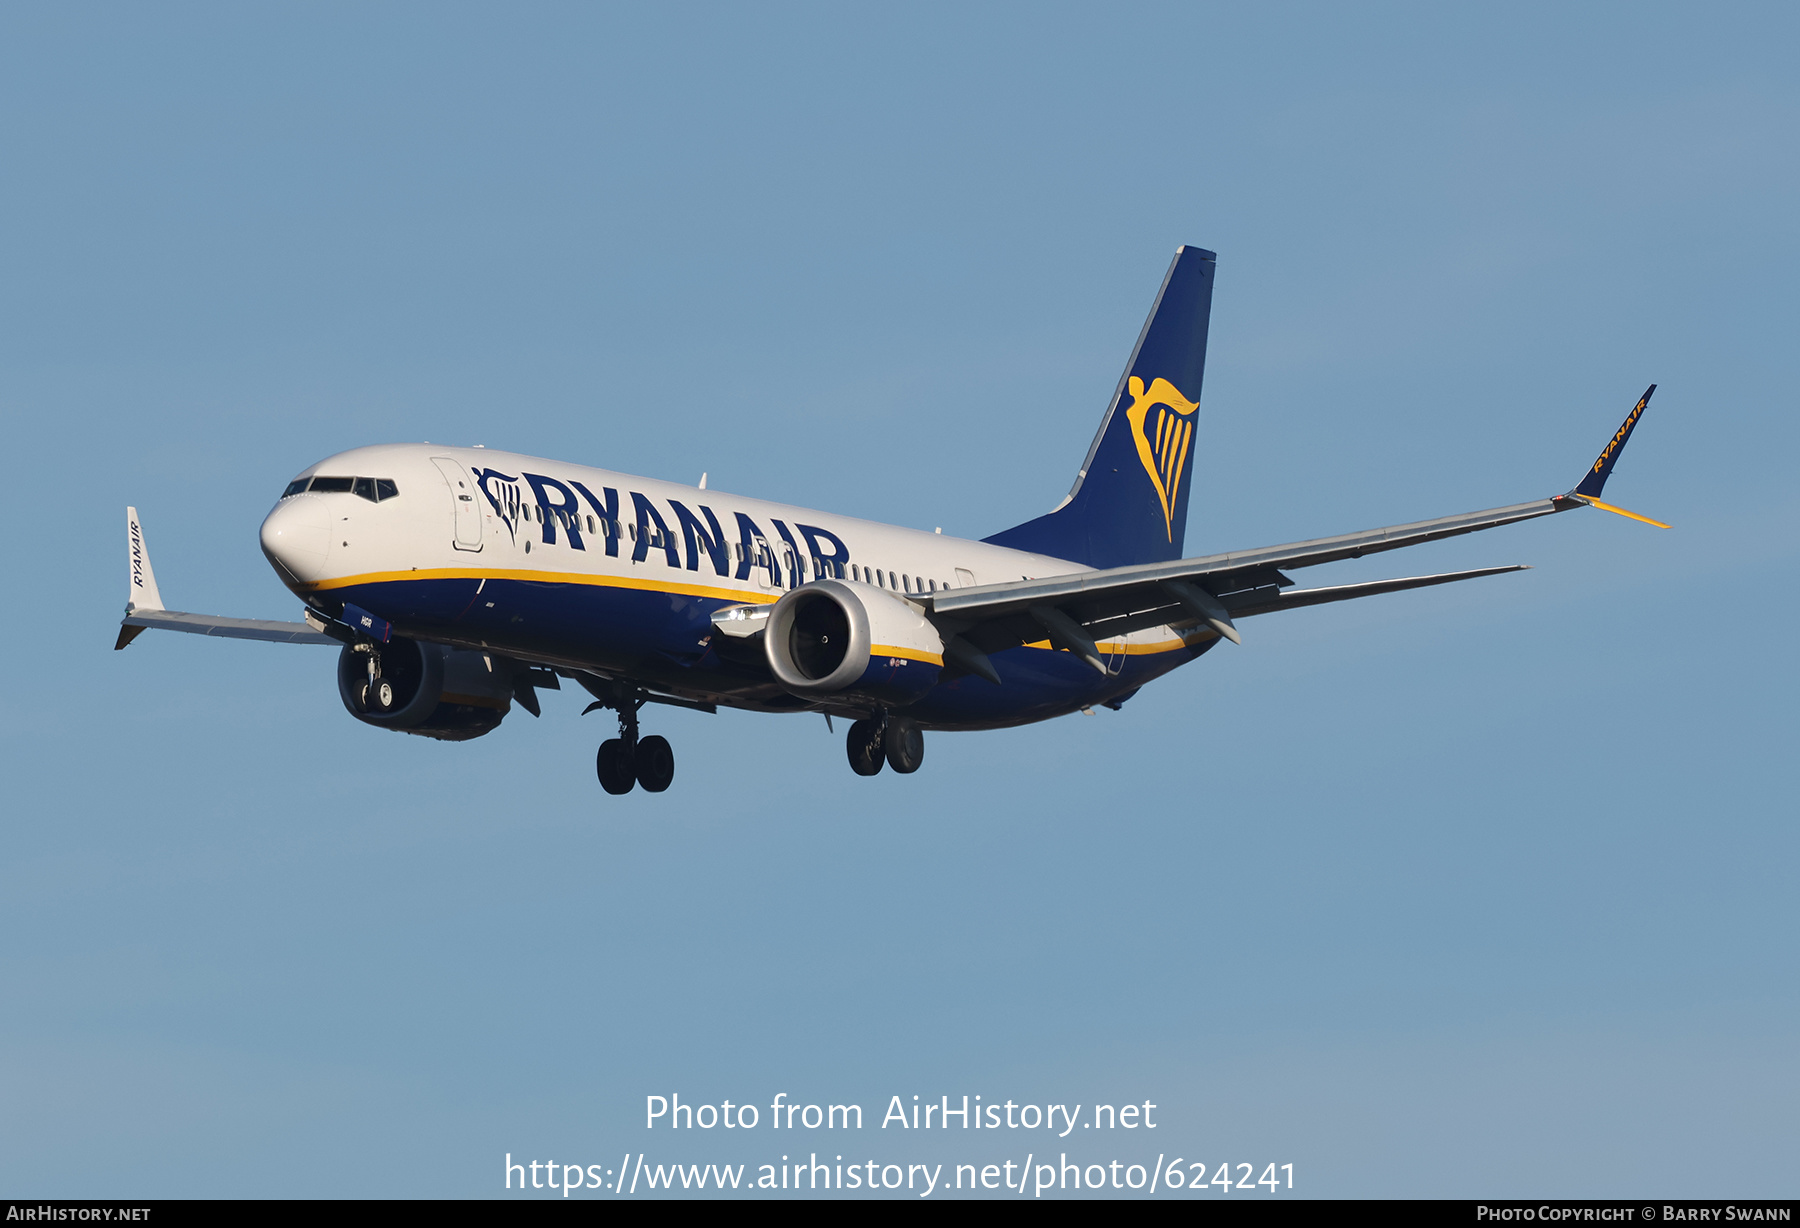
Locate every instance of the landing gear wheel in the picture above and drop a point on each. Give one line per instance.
(380, 696)
(905, 744)
(655, 763)
(864, 748)
(614, 766)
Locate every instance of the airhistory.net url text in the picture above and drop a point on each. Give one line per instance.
(1033, 1176)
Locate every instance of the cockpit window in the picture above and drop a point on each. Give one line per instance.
(372, 489)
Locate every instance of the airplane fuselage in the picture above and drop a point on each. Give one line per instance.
(593, 570)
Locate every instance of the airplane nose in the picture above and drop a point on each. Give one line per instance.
(296, 537)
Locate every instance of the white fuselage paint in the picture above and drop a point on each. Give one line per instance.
(417, 530)
(320, 542)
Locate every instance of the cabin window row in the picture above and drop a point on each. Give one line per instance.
(573, 522)
(372, 489)
(902, 583)
(656, 539)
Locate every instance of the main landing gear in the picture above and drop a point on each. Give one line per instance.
(629, 760)
(893, 740)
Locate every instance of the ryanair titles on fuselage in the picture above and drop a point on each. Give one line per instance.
(580, 514)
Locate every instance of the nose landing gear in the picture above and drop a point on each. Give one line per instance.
(629, 760)
(375, 693)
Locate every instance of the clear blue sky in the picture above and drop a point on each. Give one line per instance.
(1479, 890)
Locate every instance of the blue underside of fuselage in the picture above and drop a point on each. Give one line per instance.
(666, 639)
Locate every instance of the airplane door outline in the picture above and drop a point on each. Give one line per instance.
(466, 514)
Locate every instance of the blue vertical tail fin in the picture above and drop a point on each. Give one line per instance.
(1129, 502)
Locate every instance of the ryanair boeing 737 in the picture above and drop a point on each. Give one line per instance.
(456, 582)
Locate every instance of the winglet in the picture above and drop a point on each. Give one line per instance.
(141, 591)
(1594, 482)
(142, 594)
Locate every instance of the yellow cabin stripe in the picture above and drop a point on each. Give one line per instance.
(1135, 650)
(549, 577)
(701, 590)
(910, 654)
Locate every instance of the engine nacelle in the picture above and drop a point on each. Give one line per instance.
(834, 637)
(440, 692)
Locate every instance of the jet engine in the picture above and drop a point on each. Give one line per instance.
(834, 637)
(431, 690)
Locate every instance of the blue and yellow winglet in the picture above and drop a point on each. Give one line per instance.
(1588, 491)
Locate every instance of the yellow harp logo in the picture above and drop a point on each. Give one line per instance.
(1163, 445)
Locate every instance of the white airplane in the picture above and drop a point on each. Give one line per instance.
(457, 581)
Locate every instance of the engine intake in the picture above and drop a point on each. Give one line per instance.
(834, 637)
(439, 692)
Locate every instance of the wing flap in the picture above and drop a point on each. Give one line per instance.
(1374, 588)
(1008, 632)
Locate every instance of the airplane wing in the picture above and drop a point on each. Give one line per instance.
(1072, 611)
(134, 624)
(144, 607)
